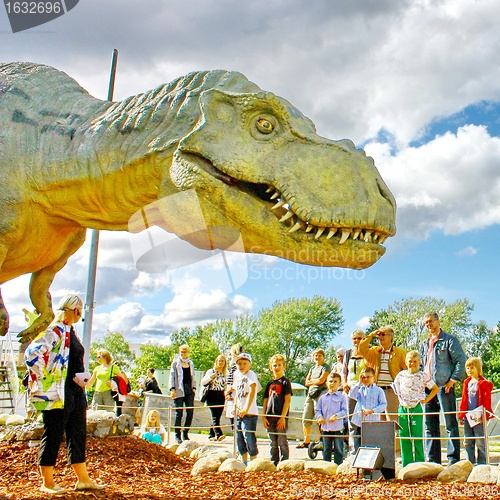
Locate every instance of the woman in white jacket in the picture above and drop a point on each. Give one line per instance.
(215, 381)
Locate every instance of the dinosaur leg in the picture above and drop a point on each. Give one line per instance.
(4, 315)
(39, 288)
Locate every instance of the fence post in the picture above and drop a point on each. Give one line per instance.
(234, 428)
(487, 444)
(169, 424)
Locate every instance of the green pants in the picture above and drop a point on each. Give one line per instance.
(412, 425)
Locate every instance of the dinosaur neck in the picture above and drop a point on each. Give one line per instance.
(107, 201)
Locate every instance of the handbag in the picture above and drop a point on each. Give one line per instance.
(204, 393)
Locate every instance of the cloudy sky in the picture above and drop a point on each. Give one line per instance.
(415, 83)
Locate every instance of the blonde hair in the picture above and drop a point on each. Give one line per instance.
(221, 356)
(276, 357)
(153, 413)
(235, 350)
(319, 351)
(333, 375)
(69, 302)
(184, 346)
(106, 355)
(413, 355)
(477, 363)
(368, 370)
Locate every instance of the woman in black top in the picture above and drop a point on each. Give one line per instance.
(46, 356)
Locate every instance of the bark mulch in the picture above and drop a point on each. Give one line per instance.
(134, 468)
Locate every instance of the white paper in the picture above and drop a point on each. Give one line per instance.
(82, 378)
(475, 416)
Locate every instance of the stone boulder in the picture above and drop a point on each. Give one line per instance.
(205, 465)
(418, 470)
(321, 467)
(260, 465)
(232, 465)
(346, 466)
(456, 472)
(172, 447)
(186, 448)
(485, 474)
(3, 418)
(222, 454)
(15, 420)
(291, 465)
(202, 451)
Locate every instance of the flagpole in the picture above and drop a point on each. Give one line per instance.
(89, 301)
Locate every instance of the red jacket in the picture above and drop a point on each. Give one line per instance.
(483, 397)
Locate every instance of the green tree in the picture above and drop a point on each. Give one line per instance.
(485, 344)
(294, 328)
(227, 332)
(153, 356)
(407, 319)
(118, 347)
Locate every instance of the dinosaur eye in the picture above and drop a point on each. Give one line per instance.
(264, 126)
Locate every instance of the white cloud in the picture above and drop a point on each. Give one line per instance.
(451, 183)
(468, 252)
(364, 322)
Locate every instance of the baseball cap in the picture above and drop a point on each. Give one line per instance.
(244, 355)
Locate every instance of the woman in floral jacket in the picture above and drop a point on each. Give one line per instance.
(54, 359)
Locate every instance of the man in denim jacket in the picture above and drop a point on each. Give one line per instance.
(443, 359)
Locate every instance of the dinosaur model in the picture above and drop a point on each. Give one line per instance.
(69, 161)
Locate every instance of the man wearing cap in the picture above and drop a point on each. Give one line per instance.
(387, 360)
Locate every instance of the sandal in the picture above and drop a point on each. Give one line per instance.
(303, 445)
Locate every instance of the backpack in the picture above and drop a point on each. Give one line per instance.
(122, 385)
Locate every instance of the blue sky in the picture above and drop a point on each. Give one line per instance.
(414, 83)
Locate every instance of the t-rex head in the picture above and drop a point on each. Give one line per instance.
(257, 164)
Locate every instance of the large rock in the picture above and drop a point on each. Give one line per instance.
(186, 448)
(15, 420)
(418, 470)
(291, 465)
(202, 451)
(3, 418)
(232, 465)
(205, 465)
(172, 447)
(259, 465)
(346, 466)
(486, 474)
(456, 472)
(321, 467)
(222, 454)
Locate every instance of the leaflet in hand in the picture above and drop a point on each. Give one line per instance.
(475, 416)
(82, 378)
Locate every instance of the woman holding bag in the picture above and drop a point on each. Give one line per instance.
(56, 388)
(214, 384)
(103, 374)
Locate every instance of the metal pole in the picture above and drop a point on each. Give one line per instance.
(89, 301)
(485, 428)
(169, 424)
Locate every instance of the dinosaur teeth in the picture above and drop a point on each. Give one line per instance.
(297, 226)
(269, 189)
(332, 231)
(382, 239)
(286, 216)
(275, 195)
(279, 204)
(357, 232)
(319, 232)
(367, 236)
(309, 228)
(345, 235)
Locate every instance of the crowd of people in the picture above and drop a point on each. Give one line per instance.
(367, 382)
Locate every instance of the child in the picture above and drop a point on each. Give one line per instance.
(330, 412)
(246, 384)
(409, 385)
(152, 430)
(277, 398)
(476, 392)
(369, 399)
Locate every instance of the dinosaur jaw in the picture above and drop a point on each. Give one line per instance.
(280, 231)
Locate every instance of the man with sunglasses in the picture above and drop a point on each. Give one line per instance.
(388, 360)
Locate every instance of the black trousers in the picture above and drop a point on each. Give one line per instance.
(72, 419)
(216, 399)
(187, 401)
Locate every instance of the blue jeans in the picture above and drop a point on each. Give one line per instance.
(152, 438)
(246, 438)
(279, 442)
(337, 439)
(442, 402)
(478, 432)
(355, 434)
